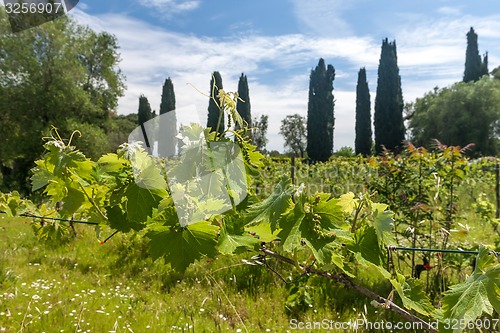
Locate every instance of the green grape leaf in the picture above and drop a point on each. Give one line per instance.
(151, 178)
(348, 202)
(330, 211)
(233, 238)
(51, 231)
(383, 224)
(118, 220)
(184, 246)
(84, 169)
(271, 209)
(252, 156)
(298, 227)
(229, 244)
(140, 202)
(193, 131)
(111, 163)
(377, 206)
(479, 294)
(41, 176)
(372, 268)
(366, 244)
(73, 201)
(56, 189)
(62, 157)
(291, 222)
(262, 231)
(326, 253)
(413, 295)
(12, 204)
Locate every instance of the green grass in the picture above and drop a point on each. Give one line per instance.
(82, 286)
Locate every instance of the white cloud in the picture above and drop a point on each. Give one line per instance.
(430, 53)
(82, 5)
(324, 17)
(451, 11)
(170, 7)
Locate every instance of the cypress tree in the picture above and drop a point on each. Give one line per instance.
(320, 119)
(144, 113)
(484, 66)
(363, 141)
(474, 66)
(213, 105)
(168, 123)
(243, 105)
(389, 125)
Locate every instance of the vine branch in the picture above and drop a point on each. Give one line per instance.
(340, 278)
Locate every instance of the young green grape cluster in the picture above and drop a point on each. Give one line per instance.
(316, 221)
(318, 229)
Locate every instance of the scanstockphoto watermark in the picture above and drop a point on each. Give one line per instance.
(27, 14)
(311, 188)
(358, 324)
(304, 172)
(205, 177)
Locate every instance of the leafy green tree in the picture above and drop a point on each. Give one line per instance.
(103, 80)
(475, 67)
(496, 73)
(243, 104)
(259, 132)
(91, 138)
(345, 152)
(320, 119)
(461, 114)
(363, 141)
(57, 74)
(389, 125)
(168, 125)
(215, 116)
(293, 130)
(118, 129)
(144, 113)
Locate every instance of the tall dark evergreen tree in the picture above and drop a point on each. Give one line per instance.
(145, 112)
(475, 67)
(243, 105)
(389, 125)
(214, 113)
(363, 141)
(168, 122)
(484, 65)
(320, 119)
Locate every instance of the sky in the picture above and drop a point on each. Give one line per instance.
(276, 43)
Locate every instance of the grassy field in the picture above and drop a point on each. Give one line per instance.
(82, 286)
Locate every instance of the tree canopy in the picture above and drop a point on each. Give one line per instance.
(243, 103)
(320, 118)
(215, 117)
(475, 67)
(363, 141)
(259, 132)
(61, 74)
(389, 126)
(293, 131)
(458, 115)
(144, 112)
(168, 123)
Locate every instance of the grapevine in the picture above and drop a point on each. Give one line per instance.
(128, 192)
